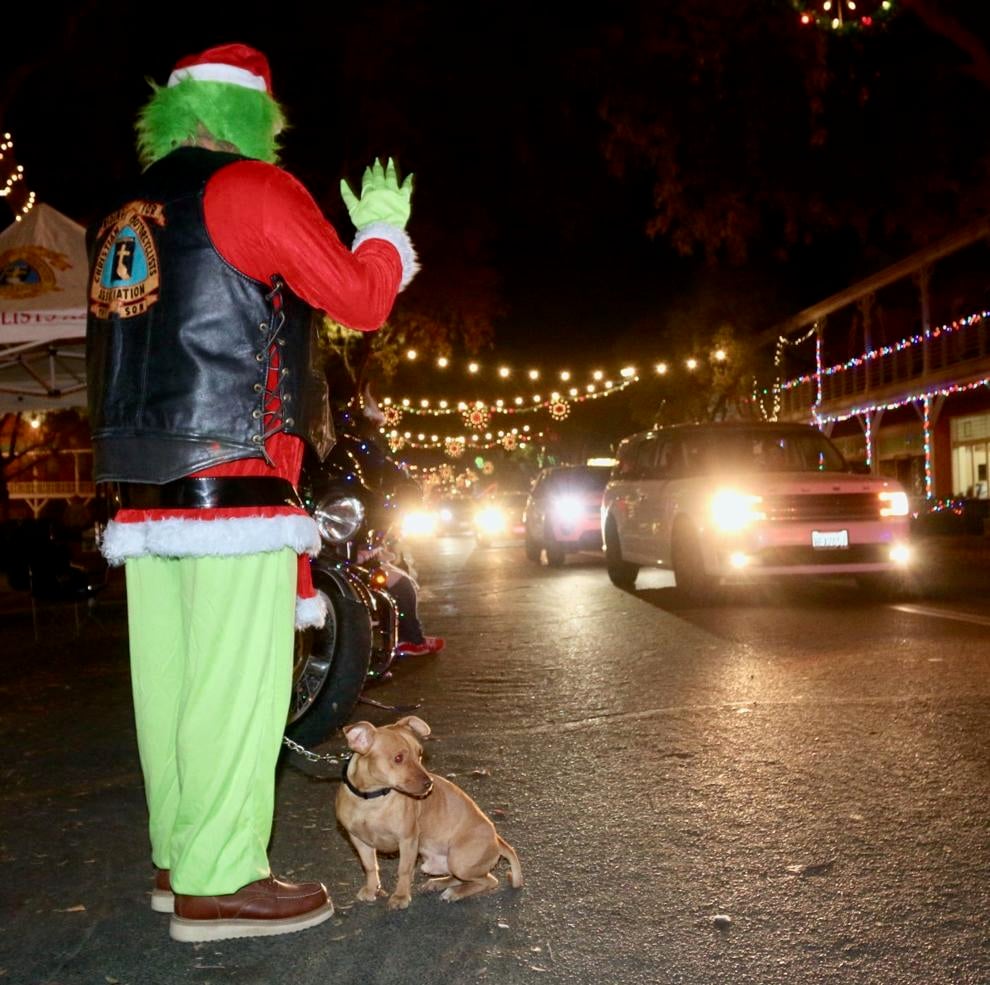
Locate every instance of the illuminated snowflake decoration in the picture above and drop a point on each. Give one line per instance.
(488, 468)
(510, 442)
(559, 409)
(477, 417)
(844, 16)
(453, 447)
(393, 415)
(396, 441)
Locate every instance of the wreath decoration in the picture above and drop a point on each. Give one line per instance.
(559, 409)
(510, 442)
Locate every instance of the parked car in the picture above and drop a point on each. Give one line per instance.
(563, 512)
(726, 502)
(500, 517)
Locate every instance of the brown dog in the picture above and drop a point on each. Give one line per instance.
(388, 802)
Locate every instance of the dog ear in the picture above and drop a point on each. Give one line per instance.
(360, 736)
(416, 725)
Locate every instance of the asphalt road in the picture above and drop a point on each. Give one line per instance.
(789, 788)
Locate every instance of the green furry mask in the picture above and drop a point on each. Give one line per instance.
(246, 118)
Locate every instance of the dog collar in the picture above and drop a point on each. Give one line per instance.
(363, 794)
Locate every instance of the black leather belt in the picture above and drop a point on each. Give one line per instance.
(193, 494)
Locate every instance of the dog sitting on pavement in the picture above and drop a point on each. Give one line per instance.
(388, 802)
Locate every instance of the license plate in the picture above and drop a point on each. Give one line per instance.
(829, 539)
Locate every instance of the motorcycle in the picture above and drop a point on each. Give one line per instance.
(354, 496)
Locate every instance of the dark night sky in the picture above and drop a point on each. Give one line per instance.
(496, 108)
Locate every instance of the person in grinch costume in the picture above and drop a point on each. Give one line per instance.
(206, 284)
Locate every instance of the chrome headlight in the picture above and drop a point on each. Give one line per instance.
(339, 518)
(733, 510)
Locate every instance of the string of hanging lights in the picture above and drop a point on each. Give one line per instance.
(15, 176)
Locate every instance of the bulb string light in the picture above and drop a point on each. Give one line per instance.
(458, 444)
(14, 179)
(843, 16)
(518, 405)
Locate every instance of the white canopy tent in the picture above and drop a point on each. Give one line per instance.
(43, 275)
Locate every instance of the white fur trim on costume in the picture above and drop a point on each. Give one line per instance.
(218, 72)
(399, 239)
(311, 612)
(204, 538)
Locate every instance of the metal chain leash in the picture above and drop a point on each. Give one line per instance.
(314, 757)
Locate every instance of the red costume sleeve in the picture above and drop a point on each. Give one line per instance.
(263, 221)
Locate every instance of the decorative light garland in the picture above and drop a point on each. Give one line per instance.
(844, 16)
(925, 396)
(16, 175)
(886, 350)
(395, 410)
(455, 445)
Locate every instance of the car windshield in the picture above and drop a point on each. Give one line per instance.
(762, 450)
(580, 480)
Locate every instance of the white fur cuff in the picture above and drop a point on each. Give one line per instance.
(206, 538)
(399, 239)
(311, 612)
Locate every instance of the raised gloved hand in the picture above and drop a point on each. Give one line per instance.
(383, 198)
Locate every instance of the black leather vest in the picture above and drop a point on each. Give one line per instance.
(178, 342)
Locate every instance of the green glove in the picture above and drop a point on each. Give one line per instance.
(383, 198)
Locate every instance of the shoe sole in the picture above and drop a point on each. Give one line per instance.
(162, 901)
(194, 931)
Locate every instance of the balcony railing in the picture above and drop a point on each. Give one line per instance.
(955, 354)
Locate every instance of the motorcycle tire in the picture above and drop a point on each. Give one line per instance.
(331, 667)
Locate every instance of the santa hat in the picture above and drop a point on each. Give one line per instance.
(235, 64)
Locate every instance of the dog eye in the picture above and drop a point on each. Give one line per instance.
(399, 756)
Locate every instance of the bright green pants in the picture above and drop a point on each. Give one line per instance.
(211, 666)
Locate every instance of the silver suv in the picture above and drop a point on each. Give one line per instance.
(737, 502)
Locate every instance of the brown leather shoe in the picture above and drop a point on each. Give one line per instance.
(162, 900)
(259, 909)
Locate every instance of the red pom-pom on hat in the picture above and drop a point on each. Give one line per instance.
(235, 64)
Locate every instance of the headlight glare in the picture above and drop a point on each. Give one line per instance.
(733, 510)
(419, 523)
(490, 520)
(567, 509)
(893, 503)
(339, 518)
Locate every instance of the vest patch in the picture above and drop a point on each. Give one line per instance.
(126, 275)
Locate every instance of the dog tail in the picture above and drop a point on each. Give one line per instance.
(506, 851)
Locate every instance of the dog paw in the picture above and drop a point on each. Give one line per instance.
(366, 895)
(397, 902)
(437, 885)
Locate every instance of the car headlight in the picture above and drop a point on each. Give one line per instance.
(490, 520)
(893, 503)
(339, 518)
(419, 523)
(733, 510)
(567, 509)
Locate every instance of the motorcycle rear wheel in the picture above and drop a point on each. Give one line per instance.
(330, 667)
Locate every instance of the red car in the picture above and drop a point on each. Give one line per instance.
(563, 512)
